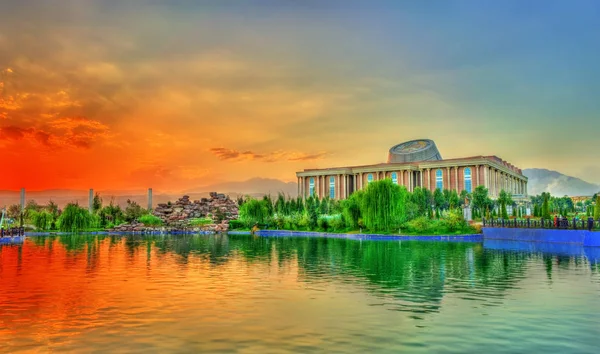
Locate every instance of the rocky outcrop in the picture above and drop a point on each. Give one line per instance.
(179, 216)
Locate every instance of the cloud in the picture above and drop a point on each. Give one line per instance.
(229, 154)
(277, 156)
(13, 132)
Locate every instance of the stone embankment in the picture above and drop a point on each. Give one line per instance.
(183, 215)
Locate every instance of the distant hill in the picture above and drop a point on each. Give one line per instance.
(542, 180)
(255, 187)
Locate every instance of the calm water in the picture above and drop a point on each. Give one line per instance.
(254, 294)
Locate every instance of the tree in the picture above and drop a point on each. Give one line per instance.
(253, 212)
(439, 201)
(133, 211)
(597, 208)
(13, 211)
(545, 206)
(96, 203)
(383, 205)
(312, 209)
(480, 198)
(454, 200)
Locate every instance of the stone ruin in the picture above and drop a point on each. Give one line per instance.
(177, 216)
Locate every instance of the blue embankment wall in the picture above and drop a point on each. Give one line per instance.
(580, 237)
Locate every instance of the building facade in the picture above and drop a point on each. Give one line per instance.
(413, 164)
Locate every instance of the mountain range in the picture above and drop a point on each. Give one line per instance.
(558, 184)
(540, 180)
(255, 187)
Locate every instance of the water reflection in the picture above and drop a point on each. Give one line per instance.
(256, 283)
(411, 271)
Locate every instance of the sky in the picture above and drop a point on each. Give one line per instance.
(177, 94)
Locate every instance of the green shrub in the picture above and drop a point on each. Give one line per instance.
(199, 222)
(420, 225)
(323, 223)
(454, 221)
(236, 224)
(279, 221)
(337, 222)
(150, 220)
(133, 211)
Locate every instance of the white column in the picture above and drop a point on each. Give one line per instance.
(22, 200)
(402, 177)
(485, 177)
(91, 201)
(456, 178)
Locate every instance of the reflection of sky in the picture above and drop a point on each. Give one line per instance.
(266, 88)
(222, 293)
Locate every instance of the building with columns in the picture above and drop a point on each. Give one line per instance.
(417, 163)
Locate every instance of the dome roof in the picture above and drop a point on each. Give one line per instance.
(413, 151)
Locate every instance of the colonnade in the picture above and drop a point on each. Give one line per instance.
(344, 184)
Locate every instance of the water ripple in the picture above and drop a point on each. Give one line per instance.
(246, 294)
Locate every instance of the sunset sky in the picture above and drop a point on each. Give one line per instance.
(182, 93)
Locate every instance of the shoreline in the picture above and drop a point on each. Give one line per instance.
(274, 233)
(283, 233)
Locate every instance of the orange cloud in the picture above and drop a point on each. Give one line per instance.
(14, 133)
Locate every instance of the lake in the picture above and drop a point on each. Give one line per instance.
(250, 294)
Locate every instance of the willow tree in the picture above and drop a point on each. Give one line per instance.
(75, 218)
(254, 212)
(351, 209)
(383, 205)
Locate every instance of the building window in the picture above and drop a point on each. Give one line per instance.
(395, 177)
(332, 187)
(439, 179)
(369, 178)
(311, 186)
(468, 184)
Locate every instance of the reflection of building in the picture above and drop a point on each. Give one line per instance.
(417, 163)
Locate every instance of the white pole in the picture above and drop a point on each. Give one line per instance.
(91, 201)
(22, 200)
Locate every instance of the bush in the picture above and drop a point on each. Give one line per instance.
(199, 222)
(454, 221)
(323, 223)
(303, 222)
(236, 224)
(420, 225)
(150, 220)
(279, 221)
(337, 222)
(133, 211)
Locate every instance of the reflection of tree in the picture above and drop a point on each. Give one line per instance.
(412, 272)
(415, 274)
(76, 242)
(214, 247)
